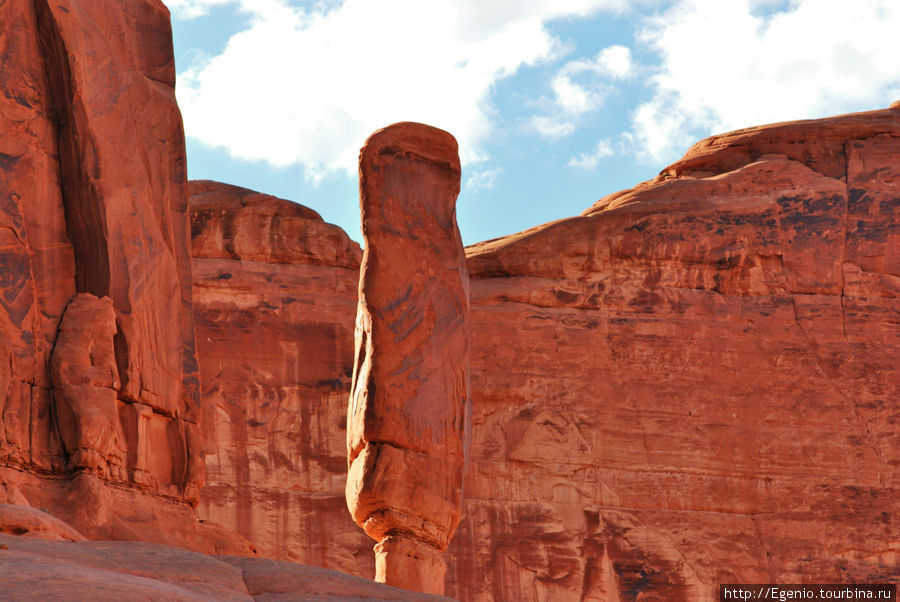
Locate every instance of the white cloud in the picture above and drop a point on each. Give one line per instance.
(553, 127)
(588, 161)
(615, 61)
(483, 179)
(727, 65)
(307, 86)
(579, 87)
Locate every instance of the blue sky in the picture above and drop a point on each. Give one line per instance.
(555, 103)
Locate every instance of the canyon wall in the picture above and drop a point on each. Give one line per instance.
(694, 382)
(99, 383)
(275, 301)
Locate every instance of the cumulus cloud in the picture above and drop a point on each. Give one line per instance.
(727, 65)
(590, 160)
(580, 87)
(483, 179)
(305, 86)
(615, 62)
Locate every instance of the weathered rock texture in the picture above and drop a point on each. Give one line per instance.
(694, 382)
(275, 298)
(85, 379)
(98, 371)
(410, 391)
(26, 521)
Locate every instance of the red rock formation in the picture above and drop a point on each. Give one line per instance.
(697, 378)
(275, 296)
(26, 521)
(85, 380)
(410, 392)
(692, 383)
(93, 222)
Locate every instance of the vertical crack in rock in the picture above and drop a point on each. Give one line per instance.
(77, 165)
(407, 415)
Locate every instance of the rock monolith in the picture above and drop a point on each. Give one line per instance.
(410, 392)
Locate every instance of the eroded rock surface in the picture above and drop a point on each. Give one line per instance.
(85, 386)
(410, 391)
(697, 380)
(692, 383)
(26, 521)
(275, 298)
(94, 223)
(37, 569)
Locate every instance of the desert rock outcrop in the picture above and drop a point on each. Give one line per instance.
(410, 393)
(94, 223)
(694, 382)
(698, 378)
(275, 298)
(85, 382)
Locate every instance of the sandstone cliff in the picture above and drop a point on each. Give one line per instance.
(275, 301)
(98, 372)
(694, 382)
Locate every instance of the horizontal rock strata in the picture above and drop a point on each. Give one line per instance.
(692, 383)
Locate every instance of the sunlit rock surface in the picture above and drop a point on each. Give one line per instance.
(99, 391)
(694, 382)
(275, 300)
(410, 392)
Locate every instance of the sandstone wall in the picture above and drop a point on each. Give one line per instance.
(275, 301)
(93, 221)
(694, 382)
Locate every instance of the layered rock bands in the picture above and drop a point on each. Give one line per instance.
(98, 371)
(694, 382)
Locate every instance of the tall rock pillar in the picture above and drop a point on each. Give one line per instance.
(407, 417)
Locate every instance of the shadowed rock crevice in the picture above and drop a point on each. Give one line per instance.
(78, 163)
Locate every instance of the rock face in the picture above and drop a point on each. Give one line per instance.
(696, 381)
(98, 372)
(275, 298)
(410, 391)
(692, 383)
(85, 380)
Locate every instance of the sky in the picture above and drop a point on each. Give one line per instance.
(554, 103)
